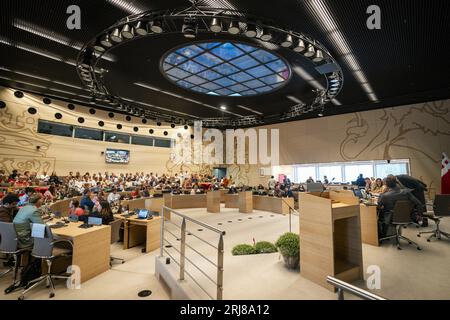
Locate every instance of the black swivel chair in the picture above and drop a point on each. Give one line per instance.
(441, 208)
(401, 217)
(9, 246)
(44, 247)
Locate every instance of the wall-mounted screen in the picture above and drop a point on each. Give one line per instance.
(117, 156)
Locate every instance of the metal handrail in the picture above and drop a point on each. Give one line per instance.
(342, 286)
(290, 210)
(182, 252)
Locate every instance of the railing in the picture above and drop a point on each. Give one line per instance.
(291, 211)
(342, 286)
(181, 262)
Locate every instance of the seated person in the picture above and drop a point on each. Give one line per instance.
(23, 200)
(75, 208)
(278, 192)
(86, 203)
(260, 187)
(28, 214)
(135, 193)
(378, 186)
(386, 204)
(232, 189)
(310, 180)
(8, 209)
(288, 193)
(105, 213)
(113, 196)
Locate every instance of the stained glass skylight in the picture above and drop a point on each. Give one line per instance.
(225, 69)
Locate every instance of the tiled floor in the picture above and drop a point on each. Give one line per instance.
(405, 274)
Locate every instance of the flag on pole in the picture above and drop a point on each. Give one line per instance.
(445, 175)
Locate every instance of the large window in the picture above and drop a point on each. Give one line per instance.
(163, 143)
(57, 129)
(67, 130)
(117, 137)
(225, 69)
(91, 134)
(347, 172)
(141, 140)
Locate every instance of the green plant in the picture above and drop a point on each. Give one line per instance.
(289, 244)
(265, 247)
(242, 249)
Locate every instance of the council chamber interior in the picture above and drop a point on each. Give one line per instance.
(224, 150)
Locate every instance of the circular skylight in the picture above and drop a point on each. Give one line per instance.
(225, 68)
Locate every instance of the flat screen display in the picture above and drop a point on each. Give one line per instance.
(117, 156)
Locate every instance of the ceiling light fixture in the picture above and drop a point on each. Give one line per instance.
(127, 32)
(233, 28)
(156, 26)
(141, 28)
(318, 57)
(266, 35)
(310, 51)
(251, 31)
(287, 42)
(116, 36)
(300, 46)
(216, 25)
(189, 28)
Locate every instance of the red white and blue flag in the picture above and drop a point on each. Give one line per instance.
(445, 175)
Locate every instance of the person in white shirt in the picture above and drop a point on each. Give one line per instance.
(44, 176)
(113, 196)
(272, 183)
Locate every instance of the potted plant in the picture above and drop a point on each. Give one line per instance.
(289, 246)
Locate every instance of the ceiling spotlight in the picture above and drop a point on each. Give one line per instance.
(320, 114)
(98, 47)
(251, 31)
(127, 32)
(189, 28)
(116, 36)
(310, 51)
(318, 56)
(233, 28)
(287, 42)
(216, 25)
(156, 26)
(140, 28)
(266, 35)
(300, 46)
(223, 107)
(105, 41)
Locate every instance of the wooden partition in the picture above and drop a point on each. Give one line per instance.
(369, 224)
(232, 200)
(185, 201)
(273, 204)
(245, 202)
(330, 237)
(213, 201)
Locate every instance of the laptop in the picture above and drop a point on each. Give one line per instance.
(73, 218)
(94, 221)
(143, 214)
(314, 187)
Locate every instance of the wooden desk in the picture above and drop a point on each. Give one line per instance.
(139, 231)
(273, 204)
(369, 224)
(330, 237)
(232, 200)
(184, 201)
(138, 203)
(245, 202)
(91, 247)
(213, 201)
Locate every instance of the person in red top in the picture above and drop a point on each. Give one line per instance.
(135, 193)
(75, 208)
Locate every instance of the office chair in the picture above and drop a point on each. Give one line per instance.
(401, 217)
(9, 245)
(441, 208)
(44, 248)
(115, 236)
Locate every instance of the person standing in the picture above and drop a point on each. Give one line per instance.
(272, 183)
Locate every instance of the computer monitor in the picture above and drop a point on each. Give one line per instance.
(143, 214)
(314, 187)
(95, 221)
